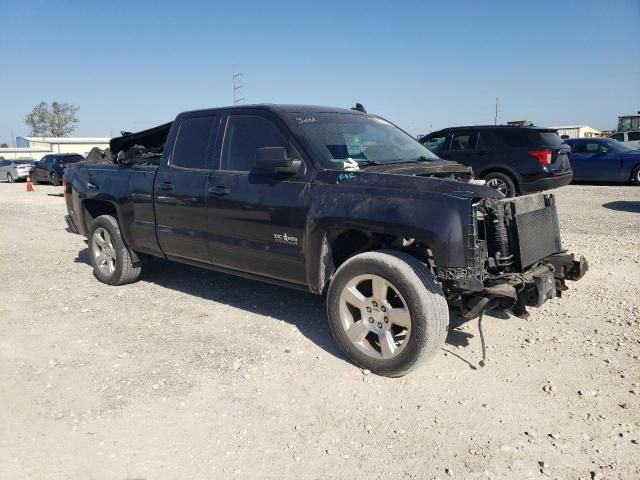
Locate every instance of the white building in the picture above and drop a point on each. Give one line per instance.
(577, 131)
(38, 147)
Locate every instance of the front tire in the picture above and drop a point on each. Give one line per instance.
(55, 181)
(34, 180)
(501, 182)
(113, 262)
(9, 178)
(387, 312)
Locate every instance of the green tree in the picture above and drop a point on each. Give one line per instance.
(4, 145)
(57, 120)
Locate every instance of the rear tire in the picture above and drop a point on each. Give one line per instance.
(55, 181)
(635, 177)
(387, 312)
(501, 182)
(113, 262)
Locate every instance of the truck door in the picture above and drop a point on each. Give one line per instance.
(180, 189)
(256, 220)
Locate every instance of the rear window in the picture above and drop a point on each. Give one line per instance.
(23, 162)
(71, 159)
(551, 139)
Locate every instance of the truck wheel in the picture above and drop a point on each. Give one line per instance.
(501, 182)
(113, 263)
(387, 312)
(635, 178)
(34, 180)
(55, 181)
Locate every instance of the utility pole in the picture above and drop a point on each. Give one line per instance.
(237, 86)
(495, 120)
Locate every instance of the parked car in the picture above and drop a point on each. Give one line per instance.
(14, 170)
(604, 159)
(512, 159)
(51, 167)
(323, 200)
(631, 139)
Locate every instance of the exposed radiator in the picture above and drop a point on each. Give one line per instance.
(535, 229)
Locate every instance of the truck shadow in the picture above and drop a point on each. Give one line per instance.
(303, 310)
(632, 206)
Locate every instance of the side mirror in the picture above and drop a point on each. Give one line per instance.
(276, 160)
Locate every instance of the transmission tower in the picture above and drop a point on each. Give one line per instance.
(237, 86)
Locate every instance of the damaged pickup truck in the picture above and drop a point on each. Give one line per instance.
(331, 201)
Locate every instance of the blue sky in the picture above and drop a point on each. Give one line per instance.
(423, 65)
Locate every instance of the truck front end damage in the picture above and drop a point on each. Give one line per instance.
(515, 257)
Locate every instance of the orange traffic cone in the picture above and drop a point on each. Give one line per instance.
(29, 185)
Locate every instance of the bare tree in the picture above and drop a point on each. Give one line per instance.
(56, 121)
(62, 119)
(38, 120)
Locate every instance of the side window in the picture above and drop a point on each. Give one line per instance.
(463, 141)
(633, 136)
(243, 136)
(192, 143)
(513, 138)
(620, 137)
(437, 143)
(591, 147)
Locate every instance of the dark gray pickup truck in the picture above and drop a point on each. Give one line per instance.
(332, 201)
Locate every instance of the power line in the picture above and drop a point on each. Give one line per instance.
(237, 86)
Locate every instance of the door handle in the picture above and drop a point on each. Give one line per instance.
(166, 186)
(220, 190)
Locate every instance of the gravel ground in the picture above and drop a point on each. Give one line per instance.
(194, 374)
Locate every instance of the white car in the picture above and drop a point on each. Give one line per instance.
(631, 139)
(12, 170)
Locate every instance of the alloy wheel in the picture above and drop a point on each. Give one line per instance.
(9, 178)
(499, 185)
(103, 251)
(375, 317)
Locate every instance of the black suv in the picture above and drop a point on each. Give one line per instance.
(513, 160)
(51, 167)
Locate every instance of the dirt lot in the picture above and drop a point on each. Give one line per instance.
(192, 374)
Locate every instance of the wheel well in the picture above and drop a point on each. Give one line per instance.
(94, 208)
(340, 246)
(504, 172)
(345, 245)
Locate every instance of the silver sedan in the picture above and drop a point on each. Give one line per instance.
(12, 170)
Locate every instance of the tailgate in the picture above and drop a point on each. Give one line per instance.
(560, 160)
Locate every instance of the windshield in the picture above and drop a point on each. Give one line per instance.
(630, 122)
(619, 146)
(365, 139)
